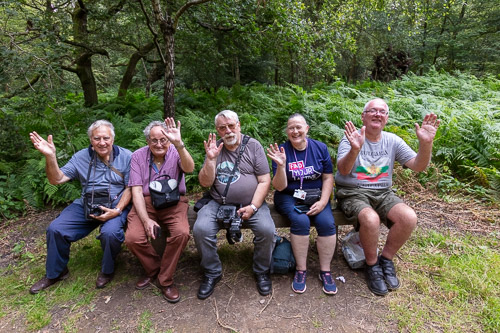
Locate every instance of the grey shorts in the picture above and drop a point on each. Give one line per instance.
(353, 200)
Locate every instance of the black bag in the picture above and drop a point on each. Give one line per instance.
(92, 201)
(283, 260)
(165, 192)
(206, 198)
(312, 196)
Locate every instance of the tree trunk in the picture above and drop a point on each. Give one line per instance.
(424, 39)
(456, 29)
(276, 73)
(130, 71)
(87, 79)
(168, 94)
(438, 46)
(236, 70)
(84, 62)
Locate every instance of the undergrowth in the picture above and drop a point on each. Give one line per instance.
(454, 284)
(466, 155)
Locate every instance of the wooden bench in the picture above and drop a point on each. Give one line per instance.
(279, 221)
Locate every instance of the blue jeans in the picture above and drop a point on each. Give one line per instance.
(301, 223)
(205, 236)
(71, 226)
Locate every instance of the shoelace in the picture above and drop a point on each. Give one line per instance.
(300, 276)
(327, 278)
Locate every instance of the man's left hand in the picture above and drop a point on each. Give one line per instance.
(246, 212)
(173, 132)
(427, 132)
(108, 213)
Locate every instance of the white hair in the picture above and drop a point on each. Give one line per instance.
(227, 114)
(147, 130)
(375, 99)
(98, 123)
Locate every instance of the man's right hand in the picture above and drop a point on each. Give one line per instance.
(211, 148)
(149, 227)
(46, 147)
(355, 138)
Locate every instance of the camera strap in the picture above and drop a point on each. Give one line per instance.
(93, 161)
(244, 142)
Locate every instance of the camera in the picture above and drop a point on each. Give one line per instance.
(95, 210)
(92, 201)
(228, 216)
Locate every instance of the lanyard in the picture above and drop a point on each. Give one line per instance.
(305, 161)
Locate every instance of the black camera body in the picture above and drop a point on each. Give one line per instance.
(92, 201)
(95, 210)
(228, 216)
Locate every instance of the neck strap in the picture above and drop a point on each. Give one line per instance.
(244, 142)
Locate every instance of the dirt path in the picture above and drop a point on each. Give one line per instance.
(236, 304)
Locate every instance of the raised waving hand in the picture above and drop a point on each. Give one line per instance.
(211, 148)
(355, 138)
(427, 132)
(46, 147)
(277, 154)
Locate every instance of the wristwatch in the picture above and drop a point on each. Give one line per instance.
(118, 210)
(255, 209)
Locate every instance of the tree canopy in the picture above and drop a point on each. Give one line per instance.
(87, 45)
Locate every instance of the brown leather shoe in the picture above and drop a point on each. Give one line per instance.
(171, 294)
(103, 280)
(46, 282)
(144, 282)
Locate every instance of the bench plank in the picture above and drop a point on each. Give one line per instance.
(279, 220)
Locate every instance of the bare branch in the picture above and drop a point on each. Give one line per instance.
(186, 7)
(155, 35)
(214, 28)
(69, 69)
(29, 84)
(88, 48)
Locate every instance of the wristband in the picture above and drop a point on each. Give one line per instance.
(118, 210)
(255, 209)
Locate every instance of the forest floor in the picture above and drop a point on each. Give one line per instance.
(235, 305)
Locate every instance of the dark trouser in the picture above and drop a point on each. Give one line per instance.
(174, 219)
(300, 222)
(205, 232)
(71, 226)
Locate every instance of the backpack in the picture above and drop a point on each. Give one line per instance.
(283, 260)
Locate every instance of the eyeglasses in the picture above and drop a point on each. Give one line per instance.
(162, 141)
(99, 138)
(372, 112)
(231, 127)
(293, 128)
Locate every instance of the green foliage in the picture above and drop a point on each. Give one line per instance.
(456, 277)
(11, 198)
(75, 293)
(466, 155)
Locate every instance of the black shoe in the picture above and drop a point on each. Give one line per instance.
(103, 280)
(46, 282)
(207, 286)
(264, 283)
(375, 279)
(389, 273)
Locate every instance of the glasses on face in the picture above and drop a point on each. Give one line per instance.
(162, 141)
(103, 138)
(372, 112)
(293, 128)
(222, 128)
